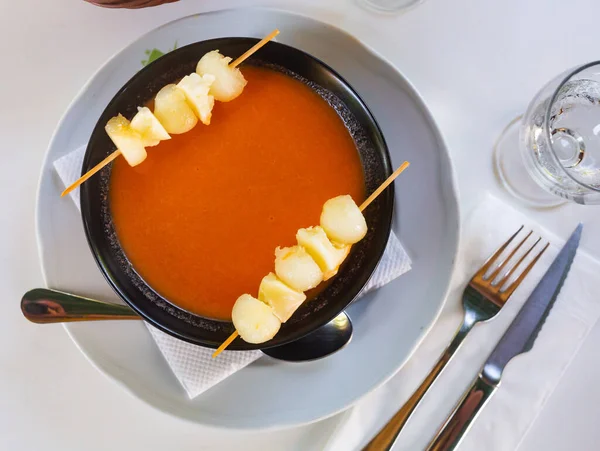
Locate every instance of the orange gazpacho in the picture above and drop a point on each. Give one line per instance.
(199, 220)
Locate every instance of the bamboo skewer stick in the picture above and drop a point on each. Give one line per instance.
(117, 152)
(254, 48)
(362, 207)
(91, 172)
(384, 185)
(226, 343)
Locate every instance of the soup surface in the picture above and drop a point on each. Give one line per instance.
(199, 220)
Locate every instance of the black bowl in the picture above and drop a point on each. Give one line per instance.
(355, 271)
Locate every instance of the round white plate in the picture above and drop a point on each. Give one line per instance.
(389, 323)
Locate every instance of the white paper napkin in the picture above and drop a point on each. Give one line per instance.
(193, 365)
(527, 381)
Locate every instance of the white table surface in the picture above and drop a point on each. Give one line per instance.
(476, 63)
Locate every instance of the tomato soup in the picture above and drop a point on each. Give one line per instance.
(200, 219)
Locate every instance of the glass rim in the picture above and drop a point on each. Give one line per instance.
(568, 77)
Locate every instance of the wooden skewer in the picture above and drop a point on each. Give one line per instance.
(91, 172)
(226, 343)
(384, 185)
(254, 48)
(364, 205)
(117, 152)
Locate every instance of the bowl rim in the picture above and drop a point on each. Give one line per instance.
(365, 274)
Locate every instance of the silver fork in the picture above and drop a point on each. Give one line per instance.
(482, 300)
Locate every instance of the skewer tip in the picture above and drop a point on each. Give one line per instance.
(226, 343)
(254, 48)
(384, 185)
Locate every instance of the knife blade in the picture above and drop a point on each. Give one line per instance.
(521, 334)
(518, 339)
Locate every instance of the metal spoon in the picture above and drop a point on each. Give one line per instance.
(44, 306)
(324, 341)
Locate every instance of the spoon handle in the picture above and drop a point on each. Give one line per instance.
(44, 306)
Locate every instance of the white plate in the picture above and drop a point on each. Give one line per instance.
(389, 323)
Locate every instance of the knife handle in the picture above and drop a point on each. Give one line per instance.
(459, 421)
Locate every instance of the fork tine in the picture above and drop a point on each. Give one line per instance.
(507, 259)
(513, 286)
(492, 259)
(514, 268)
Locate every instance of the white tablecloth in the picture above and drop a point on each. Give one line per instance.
(477, 64)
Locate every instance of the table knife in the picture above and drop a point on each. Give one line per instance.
(518, 339)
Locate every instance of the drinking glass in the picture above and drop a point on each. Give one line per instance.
(551, 154)
(389, 6)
